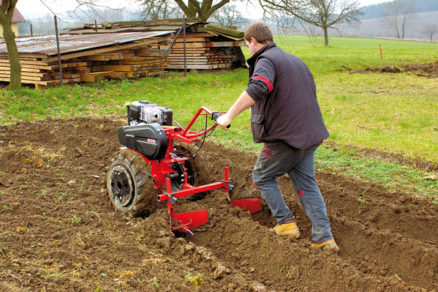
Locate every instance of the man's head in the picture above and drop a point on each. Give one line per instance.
(257, 35)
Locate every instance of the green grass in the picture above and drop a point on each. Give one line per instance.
(183, 95)
(391, 176)
(396, 113)
(356, 52)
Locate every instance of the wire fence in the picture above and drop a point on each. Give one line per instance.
(45, 28)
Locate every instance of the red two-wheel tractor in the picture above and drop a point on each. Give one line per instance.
(151, 166)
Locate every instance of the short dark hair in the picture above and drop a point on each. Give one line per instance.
(260, 31)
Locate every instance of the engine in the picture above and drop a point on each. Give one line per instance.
(144, 132)
(146, 112)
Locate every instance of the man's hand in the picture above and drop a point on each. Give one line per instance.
(224, 121)
(242, 103)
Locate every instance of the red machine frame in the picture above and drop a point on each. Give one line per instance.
(161, 169)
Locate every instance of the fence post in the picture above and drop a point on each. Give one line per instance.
(185, 57)
(59, 52)
(31, 30)
(381, 55)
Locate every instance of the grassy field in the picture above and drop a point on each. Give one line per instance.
(356, 52)
(394, 113)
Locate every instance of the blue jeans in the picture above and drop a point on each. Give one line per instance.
(278, 158)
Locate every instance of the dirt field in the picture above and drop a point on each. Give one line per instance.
(59, 232)
(429, 70)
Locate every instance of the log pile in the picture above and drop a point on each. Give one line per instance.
(85, 63)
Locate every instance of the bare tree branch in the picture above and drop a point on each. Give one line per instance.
(200, 9)
(158, 9)
(321, 13)
(430, 29)
(189, 10)
(228, 16)
(47, 6)
(397, 15)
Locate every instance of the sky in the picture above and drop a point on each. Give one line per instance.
(32, 9)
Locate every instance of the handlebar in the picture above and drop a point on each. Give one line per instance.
(214, 117)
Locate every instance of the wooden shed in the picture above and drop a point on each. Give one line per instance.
(207, 46)
(88, 58)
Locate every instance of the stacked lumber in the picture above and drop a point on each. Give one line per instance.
(203, 50)
(39, 72)
(208, 46)
(134, 59)
(127, 63)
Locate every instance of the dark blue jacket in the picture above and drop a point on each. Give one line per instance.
(286, 107)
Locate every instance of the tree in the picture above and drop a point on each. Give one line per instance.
(7, 8)
(158, 9)
(200, 10)
(430, 29)
(397, 14)
(321, 13)
(193, 9)
(228, 16)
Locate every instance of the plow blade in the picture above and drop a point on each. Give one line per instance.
(188, 221)
(251, 205)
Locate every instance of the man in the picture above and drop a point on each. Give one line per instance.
(286, 117)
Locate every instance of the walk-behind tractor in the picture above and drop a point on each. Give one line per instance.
(152, 167)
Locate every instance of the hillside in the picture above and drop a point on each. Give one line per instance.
(418, 28)
(376, 10)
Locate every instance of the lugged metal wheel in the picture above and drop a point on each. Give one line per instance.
(130, 184)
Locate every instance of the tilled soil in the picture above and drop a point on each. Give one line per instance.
(59, 232)
(429, 70)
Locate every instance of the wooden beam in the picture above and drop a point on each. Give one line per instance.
(200, 67)
(112, 48)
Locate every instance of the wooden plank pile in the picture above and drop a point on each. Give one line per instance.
(140, 58)
(203, 50)
(208, 46)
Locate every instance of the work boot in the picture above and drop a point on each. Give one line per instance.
(287, 229)
(326, 245)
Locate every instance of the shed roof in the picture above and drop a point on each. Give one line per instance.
(73, 43)
(160, 25)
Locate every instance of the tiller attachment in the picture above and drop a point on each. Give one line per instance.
(251, 205)
(187, 221)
